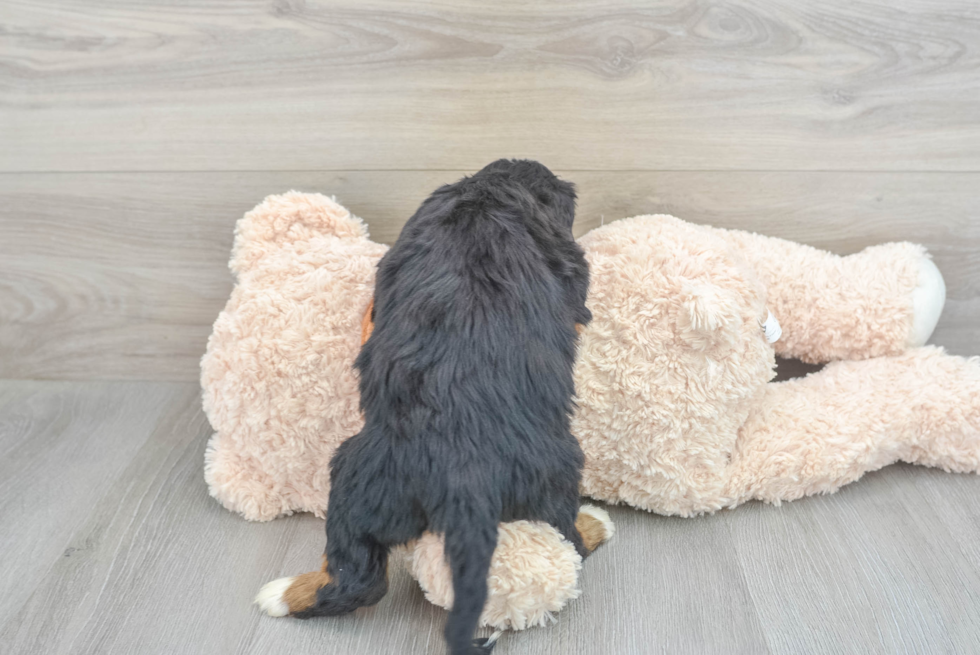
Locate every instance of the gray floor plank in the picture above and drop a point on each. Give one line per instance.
(662, 585)
(613, 85)
(160, 567)
(147, 562)
(871, 569)
(61, 447)
(120, 276)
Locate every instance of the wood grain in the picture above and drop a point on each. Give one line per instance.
(115, 547)
(687, 594)
(61, 448)
(875, 568)
(120, 276)
(343, 85)
(156, 566)
(134, 135)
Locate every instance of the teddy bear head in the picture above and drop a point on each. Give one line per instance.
(278, 379)
(671, 365)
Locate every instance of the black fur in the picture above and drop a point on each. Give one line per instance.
(466, 388)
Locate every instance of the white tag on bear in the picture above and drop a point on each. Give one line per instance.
(772, 329)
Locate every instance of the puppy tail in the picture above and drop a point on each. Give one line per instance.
(469, 547)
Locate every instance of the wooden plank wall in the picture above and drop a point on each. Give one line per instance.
(133, 135)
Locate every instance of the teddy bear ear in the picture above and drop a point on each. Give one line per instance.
(284, 220)
(709, 316)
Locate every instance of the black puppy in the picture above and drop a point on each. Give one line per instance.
(466, 389)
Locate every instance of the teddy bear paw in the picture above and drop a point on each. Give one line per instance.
(928, 299)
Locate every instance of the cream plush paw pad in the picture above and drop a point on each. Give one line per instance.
(270, 597)
(927, 303)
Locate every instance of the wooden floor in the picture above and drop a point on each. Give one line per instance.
(134, 134)
(111, 544)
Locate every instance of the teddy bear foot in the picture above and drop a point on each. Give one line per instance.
(927, 303)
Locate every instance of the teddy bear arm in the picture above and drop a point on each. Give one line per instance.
(880, 301)
(813, 435)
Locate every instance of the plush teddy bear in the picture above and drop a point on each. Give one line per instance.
(676, 413)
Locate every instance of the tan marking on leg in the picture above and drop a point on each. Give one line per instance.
(593, 530)
(578, 328)
(301, 594)
(367, 325)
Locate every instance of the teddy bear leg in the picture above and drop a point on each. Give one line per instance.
(880, 301)
(533, 573)
(242, 486)
(815, 434)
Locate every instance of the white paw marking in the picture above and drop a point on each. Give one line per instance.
(269, 599)
(601, 515)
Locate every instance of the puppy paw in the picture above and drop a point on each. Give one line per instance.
(594, 525)
(271, 598)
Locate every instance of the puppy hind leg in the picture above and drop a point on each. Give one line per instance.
(585, 527)
(594, 527)
(568, 525)
(354, 571)
(293, 594)
(352, 576)
(358, 570)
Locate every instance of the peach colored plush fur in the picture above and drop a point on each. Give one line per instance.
(277, 378)
(676, 414)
